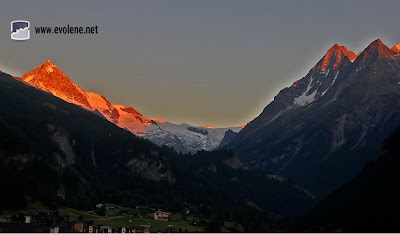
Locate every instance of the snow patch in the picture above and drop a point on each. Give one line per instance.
(327, 73)
(28, 79)
(334, 79)
(305, 99)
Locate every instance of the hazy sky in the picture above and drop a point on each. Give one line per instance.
(200, 62)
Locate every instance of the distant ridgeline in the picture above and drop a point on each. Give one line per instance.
(183, 138)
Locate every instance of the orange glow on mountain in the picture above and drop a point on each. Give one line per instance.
(333, 57)
(207, 126)
(49, 78)
(378, 49)
(247, 123)
(396, 48)
(158, 120)
(295, 83)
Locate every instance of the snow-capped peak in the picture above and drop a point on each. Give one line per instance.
(184, 137)
(334, 57)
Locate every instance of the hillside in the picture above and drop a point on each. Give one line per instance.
(60, 154)
(368, 203)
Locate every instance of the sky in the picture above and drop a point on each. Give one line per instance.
(201, 62)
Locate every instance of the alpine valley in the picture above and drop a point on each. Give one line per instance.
(60, 154)
(322, 156)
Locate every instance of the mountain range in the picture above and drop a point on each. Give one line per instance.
(183, 138)
(322, 130)
(321, 140)
(59, 154)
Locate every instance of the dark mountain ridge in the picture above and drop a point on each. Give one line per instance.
(322, 130)
(368, 203)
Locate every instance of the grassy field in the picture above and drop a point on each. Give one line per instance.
(74, 214)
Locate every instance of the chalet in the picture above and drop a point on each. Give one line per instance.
(3, 219)
(81, 226)
(162, 216)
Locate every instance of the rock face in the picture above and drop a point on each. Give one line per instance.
(152, 169)
(323, 129)
(184, 138)
(229, 135)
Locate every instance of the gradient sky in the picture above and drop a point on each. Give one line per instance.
(198, 62)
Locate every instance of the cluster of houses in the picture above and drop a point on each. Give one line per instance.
(40, 219)
(88, 227)
(55, 223)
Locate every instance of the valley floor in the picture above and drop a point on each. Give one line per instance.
(135, 217)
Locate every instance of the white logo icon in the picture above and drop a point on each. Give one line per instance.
(20, 30)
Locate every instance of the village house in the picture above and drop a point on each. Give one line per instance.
(124, 230)
(162, 216)
(81, 226)
(101, 229)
